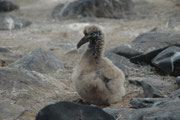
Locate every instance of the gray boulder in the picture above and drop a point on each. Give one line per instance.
(10, 22)
(7, 6)
(16, 79)
(30, 89)
(151, 44)
(121, 62)
(128, 114)
(168, 60)
(4, 50)
(147, 102)
(10, 111)
(26, 88)
(146, 58)
(126, 66)
(150, 91)
(125, 50)
(151, 41)
(146, 45)
(160, 50)
(153, 86)
(93, 8)
(178, 81)
(175, 94)
(39, 61)
(169, 110)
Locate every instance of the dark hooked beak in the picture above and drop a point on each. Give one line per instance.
(82, 41)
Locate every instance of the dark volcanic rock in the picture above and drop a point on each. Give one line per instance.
(125, 50)
(168, 60)
(11, 76)
(152, 41)
(146, 58)
(126, 66)
(153, 86)
(10, 22)
(147, 46)
(160, 50)
(72, 111)
(7, 6)
(4, 50)
(20, 84)
(147, 102)
(128, 114)
(175, 94)
(169, 110)
(121, 62)
(93, 8)
(39, 61)
(178, 81)
(26, 88)
(150, 91)
(150, 86)
(10, 111)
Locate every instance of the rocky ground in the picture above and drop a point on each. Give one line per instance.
(29, 81)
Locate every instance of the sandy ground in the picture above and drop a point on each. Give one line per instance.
(60, 37)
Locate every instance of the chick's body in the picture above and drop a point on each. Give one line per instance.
(97, 79)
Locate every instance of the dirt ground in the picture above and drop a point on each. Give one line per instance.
(60, 37)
